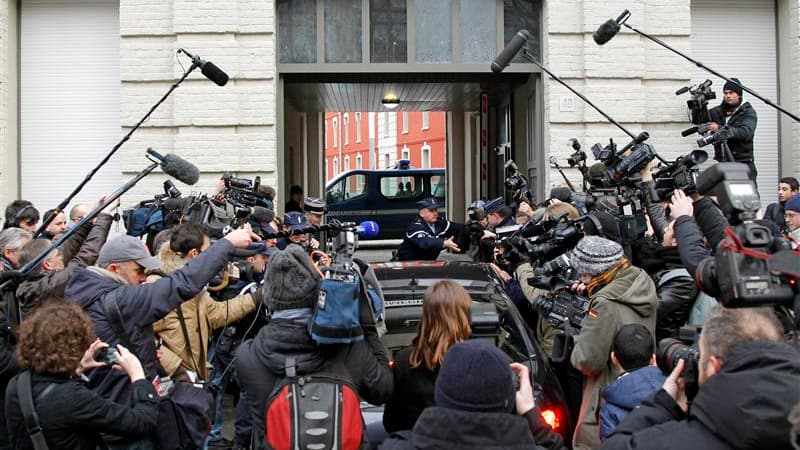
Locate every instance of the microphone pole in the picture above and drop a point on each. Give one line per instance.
(712, 71)
(64, 203)
(530, 58)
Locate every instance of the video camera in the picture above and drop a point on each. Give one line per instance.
(578, 156)
(751, 267)
(564, 309)
(681, 174)
(618, 167)
(244, 192)
(698, 102)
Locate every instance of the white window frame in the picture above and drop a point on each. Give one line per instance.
(359, 162)
(335, 128)
(405, 122)
(425, 156)
(346, 163)
(358, 127)
(405, 153)
(426, 120)
(346, 126)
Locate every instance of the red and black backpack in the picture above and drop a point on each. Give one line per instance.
(316, 411)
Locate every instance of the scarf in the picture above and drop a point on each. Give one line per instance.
(600, 281)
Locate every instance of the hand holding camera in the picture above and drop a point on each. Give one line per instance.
(524, 396)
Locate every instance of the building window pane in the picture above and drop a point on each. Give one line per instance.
(426, 120)
(426, 156)
(434, 31)
(387, 31)
(342, 31)
(346, 163)
(478, 32)
(297, 31)
(519, 15)
(405, 122)
(406, 154)
(335, 132)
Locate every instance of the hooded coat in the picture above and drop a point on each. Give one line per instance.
(261, 365)
(202, 314)
(629, 298)
(744, 406)
(625, 394)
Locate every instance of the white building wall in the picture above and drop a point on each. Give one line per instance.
(8, 103)
(219, 129)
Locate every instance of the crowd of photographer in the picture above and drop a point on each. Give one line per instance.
(131, 342)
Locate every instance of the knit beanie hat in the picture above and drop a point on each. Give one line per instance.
(735, 87)
(793, 204)
(475, 376)
(594, 255)
(291, 281)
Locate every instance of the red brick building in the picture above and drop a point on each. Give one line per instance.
(359, 140)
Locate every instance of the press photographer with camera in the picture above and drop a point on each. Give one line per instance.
(619, 294)
(675, 286)
(739, 119)
(56, 345)
(748, 383)
(285, 345)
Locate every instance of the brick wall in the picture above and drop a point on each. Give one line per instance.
(630, 78)
(219, 129)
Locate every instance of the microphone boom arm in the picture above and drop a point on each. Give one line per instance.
(712, 71)
(530, 58)
(64, 203)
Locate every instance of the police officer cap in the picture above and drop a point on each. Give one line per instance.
(314, 205)
(428, 203)
(295, 220)
(494, 205)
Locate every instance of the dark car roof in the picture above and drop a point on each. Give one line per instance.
(397, 277)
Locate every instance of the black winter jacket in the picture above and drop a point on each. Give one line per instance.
(413, 392)
(140, 306)
(449, 429)
(742, 125)
(261, 364)
(744, 406)
(80, 250)
(688, 233)
(72, 416)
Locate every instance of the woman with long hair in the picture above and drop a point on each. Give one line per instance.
(445, 322)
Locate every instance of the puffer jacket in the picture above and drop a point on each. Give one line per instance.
(744, 406)
(80, 250)
(629, 298)
(625, 394)
(202, 315)
(261, 364)
(139, 306)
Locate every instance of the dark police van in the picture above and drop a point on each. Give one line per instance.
(387, 196)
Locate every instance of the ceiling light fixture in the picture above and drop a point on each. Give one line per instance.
(390, 101)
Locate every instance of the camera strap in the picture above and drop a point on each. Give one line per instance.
(182, 321)
(32, 425)
(114, 315)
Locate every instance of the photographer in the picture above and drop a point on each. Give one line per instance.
(56, 346)
(675, 286)
(619, 294)
(690, 218)
(748, 385)
(291, 291)
(740, 119)
(50, 279)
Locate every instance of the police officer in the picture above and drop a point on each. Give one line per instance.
(314, 209)
(498, 215)
(427, 236)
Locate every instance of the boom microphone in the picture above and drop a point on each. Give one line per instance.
(610, 28)
(209, 69)
(514, 45)
(176, 167)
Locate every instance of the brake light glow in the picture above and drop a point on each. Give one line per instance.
(550, 416)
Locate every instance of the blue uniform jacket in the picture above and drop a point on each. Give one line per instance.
(421, 243)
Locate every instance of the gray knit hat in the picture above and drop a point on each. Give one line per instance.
(594, 255)
(291, 281)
